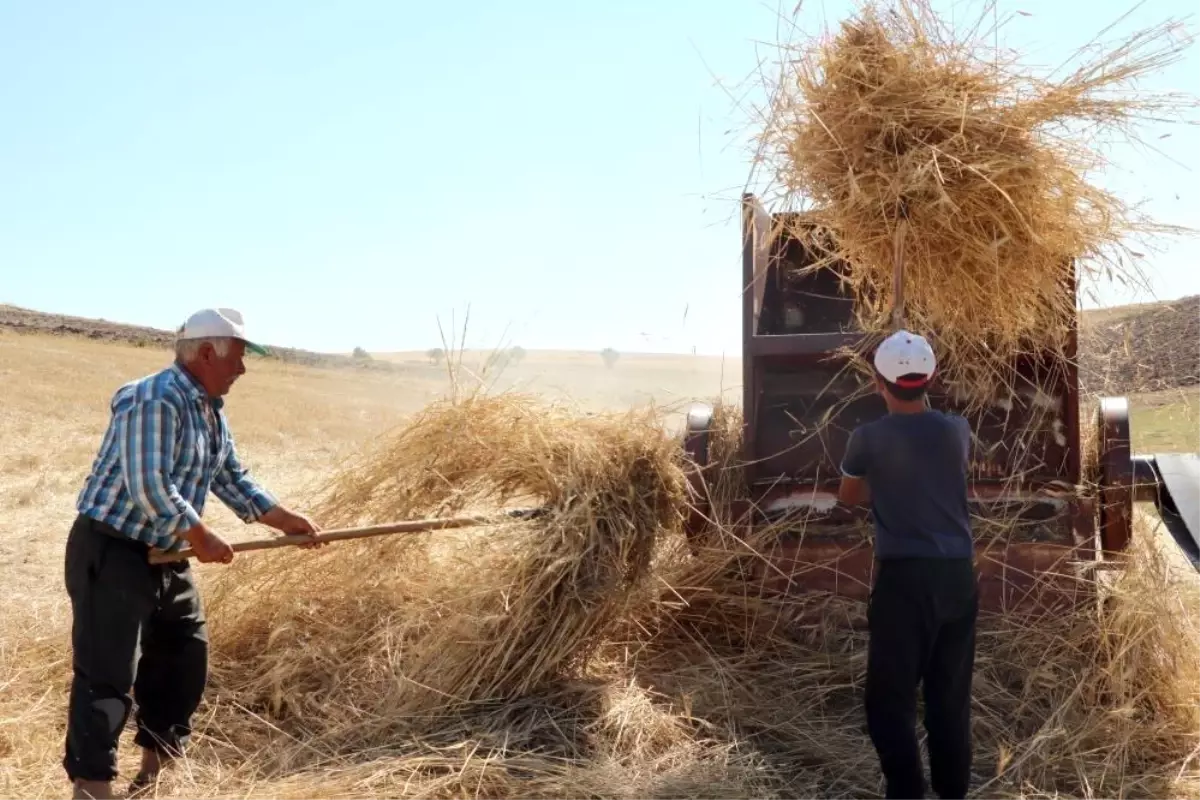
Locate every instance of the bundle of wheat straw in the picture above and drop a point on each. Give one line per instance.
(472, 617)
(909, 138)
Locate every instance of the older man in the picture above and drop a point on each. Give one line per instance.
(168, 443)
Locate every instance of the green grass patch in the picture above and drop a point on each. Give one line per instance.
(1165, 422)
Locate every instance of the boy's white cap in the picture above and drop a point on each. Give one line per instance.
(218, 323)
(905, 353)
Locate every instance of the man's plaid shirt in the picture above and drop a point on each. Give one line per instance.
(167, 444)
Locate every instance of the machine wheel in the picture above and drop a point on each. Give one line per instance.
(696, 438)
(1116, 474)
(697, 433)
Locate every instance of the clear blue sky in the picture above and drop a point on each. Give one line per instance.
(347, 172)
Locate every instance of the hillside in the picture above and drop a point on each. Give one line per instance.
(1141, 348)
(29, 321)
(1123, 350)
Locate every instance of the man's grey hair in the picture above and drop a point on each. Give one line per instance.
(188, 349)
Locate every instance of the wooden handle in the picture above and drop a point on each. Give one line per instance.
(337, 535)
(898, 274)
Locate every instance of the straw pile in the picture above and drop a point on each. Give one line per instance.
(477, 618)
(913, 141)
(589, 653)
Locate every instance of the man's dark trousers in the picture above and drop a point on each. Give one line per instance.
(121, 603)
(922, 630)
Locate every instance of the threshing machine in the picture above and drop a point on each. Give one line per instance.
(1034, 524)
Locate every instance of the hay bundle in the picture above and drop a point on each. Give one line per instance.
(910, 140)
(464, 618)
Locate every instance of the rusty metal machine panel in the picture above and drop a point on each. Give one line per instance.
(1037, 529)
(802, 399)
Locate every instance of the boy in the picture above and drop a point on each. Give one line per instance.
(911, 467)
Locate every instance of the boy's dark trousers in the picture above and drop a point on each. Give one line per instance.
(121, 603)
(922, 630)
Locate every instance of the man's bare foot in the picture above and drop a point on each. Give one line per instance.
(153, 763)
(93, 790)
(147, 776)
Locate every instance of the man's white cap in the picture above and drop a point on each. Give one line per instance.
(905, 353)
(218, 323)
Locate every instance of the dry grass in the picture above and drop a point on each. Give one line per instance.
(587, 654)
(912, 140)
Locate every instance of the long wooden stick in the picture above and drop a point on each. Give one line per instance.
(337, 535)
(898, 274)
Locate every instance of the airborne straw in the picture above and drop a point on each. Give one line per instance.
(899, 120)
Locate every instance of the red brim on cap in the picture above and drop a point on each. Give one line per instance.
(912, 383)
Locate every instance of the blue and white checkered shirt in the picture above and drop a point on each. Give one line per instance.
(167, 444)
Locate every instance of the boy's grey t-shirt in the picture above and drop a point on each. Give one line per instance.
(916, 468)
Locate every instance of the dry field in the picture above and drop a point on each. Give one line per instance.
(294, 423)
(295, 426)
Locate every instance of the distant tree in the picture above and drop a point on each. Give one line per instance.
(610, 357)
(516, 354)
(361, 354)
(436, 354)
